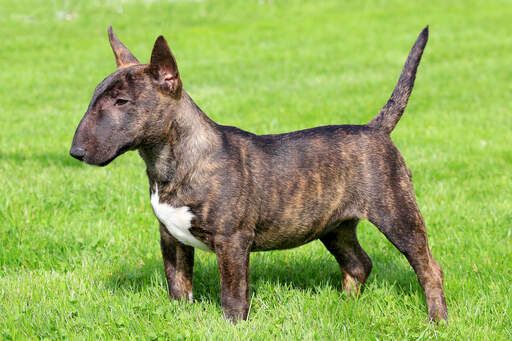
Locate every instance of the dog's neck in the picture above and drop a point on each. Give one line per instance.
(191, 136)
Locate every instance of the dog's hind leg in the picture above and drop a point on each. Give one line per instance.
(355, 264)
(398, 217)
(178, 265)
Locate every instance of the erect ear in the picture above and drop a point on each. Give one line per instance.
(123, 56)
(163, 68)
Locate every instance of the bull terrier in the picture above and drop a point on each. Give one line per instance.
(224, 190)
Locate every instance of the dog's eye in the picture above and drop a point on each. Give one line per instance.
(121, 101)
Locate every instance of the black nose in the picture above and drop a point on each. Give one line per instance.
(77, 152)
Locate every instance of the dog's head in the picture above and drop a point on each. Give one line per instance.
(130, 107)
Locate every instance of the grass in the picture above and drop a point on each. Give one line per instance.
(79, 251)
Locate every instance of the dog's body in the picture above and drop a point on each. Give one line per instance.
(231, 192)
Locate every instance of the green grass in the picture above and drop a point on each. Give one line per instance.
(79, 249)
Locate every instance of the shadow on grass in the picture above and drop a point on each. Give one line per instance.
(48, 159)
(301, 274)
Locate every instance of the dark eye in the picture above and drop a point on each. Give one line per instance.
(121, 101)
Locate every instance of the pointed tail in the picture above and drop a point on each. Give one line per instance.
(390, 114)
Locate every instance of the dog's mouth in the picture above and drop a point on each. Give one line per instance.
(120, 151)
(81, 155)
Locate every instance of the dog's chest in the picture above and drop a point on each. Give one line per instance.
(177, 220)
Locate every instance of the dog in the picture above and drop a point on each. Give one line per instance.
(221, 189)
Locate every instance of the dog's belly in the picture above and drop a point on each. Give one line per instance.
(300, 212)
(177, 220)
(279, 235)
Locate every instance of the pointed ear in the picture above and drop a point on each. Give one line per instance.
(164, 69)
(123, 56)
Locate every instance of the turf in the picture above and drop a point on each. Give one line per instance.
(79, 250)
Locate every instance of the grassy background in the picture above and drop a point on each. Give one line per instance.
(79, 251)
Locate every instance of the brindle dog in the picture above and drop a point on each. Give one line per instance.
(231, 192)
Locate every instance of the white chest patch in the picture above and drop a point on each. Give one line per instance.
(177, 220)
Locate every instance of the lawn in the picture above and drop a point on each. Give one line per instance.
(79, 245)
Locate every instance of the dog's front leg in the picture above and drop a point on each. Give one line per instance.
(178, 265)
(233, 261)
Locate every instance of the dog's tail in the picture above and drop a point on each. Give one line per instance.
(390, 114)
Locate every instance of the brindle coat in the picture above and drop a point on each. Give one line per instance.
(256, 193)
